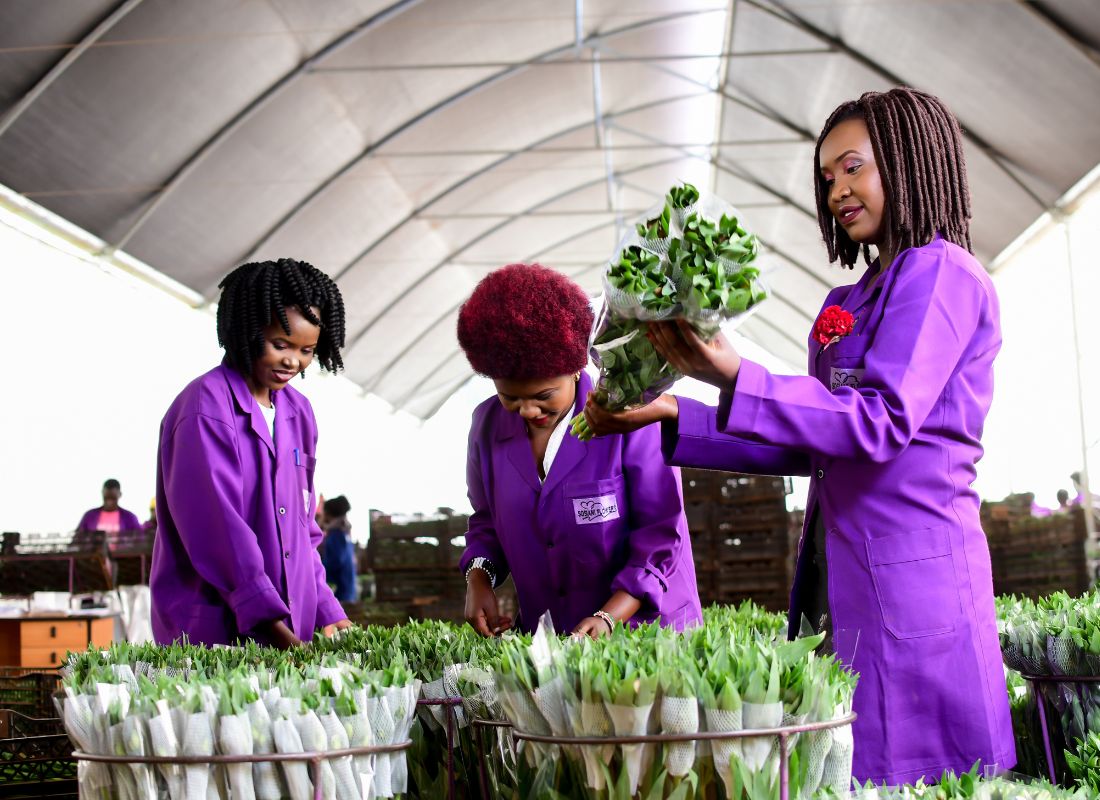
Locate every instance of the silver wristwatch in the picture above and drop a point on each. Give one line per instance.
(486, 566)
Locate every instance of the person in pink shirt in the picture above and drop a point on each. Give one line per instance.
(109, 517)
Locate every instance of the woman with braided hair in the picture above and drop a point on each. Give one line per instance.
(893, 563)
(236, 548)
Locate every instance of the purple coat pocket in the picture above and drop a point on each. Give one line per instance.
(914, 577)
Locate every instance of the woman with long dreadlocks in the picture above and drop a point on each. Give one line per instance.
(893, 563)
(236, 548)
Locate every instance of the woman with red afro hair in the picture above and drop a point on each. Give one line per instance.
(593, 532)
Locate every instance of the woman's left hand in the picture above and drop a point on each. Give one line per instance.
(593, 627)
(330, 630)
(715, 362)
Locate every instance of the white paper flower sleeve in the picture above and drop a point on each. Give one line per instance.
(266, 780)
(198, 740)
(838, 764)
(164, 743)
(595, 721)
(235, 739)
(288, 740)
(382, 727)
(631, 721)
(313, 741)
(342, 768)
(724, 750)
(679, 715)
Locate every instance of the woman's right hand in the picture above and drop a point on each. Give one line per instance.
(481, 606)
(280, 635)
(604, 423)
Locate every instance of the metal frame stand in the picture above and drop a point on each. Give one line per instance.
(448, 704)
(782, 733)
(1043, 724)
(314, 759)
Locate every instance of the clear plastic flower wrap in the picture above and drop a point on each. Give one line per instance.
(688, 259)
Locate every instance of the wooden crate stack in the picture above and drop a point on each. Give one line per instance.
(415, 564)
(1035, 556)
(740, 536)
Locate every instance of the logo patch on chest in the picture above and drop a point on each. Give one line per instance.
(841, 376)
(593, 510)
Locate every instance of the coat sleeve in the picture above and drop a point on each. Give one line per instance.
(696, 439)
(481, 535)
(933, 310)
(202, 485)
(85, 525)
(656, 516)
(329, 609)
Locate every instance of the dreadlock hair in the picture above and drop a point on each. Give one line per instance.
(918, 148)
(255, 295)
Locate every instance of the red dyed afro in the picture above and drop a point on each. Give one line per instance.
(525, 322)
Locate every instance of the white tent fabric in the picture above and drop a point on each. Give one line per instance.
(410, 147)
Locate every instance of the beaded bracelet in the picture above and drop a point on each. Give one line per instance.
(610, 620)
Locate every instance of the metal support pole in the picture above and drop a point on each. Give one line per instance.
(449, 711)
(1046, 732)
(482, 767)
(603, 138)
(784, 779)
(1079, 361)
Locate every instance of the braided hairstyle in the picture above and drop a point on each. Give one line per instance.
(918, 147)
(254, 295)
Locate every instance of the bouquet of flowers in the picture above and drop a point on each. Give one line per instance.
(649, 680)
(971, 786)
(690, 259)
(190, 701)
(1057, 635)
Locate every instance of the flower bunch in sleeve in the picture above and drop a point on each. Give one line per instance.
(691, 259)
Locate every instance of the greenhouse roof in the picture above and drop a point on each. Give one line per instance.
(407, 148)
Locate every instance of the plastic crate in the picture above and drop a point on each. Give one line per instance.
(28, 691)
(35, 758)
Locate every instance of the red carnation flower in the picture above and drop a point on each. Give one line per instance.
(833, 324)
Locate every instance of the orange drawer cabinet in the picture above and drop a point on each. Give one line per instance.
(43, 641)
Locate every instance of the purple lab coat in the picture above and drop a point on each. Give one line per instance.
(609, 516)
(888, 427)
(236, 540)
(127, 520)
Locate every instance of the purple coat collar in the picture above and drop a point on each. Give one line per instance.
(511, 428)
(251, 408)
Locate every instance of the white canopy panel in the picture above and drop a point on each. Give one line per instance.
(410, 147)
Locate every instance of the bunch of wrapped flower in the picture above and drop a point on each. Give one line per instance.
(195, 703)
(971, 786)
(1054, 637)
(690, 259)
(453, 663)
(648, 680)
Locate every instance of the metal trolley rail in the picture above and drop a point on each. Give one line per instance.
(313, 759)
(782, 733)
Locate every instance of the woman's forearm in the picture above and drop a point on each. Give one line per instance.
(622, 606)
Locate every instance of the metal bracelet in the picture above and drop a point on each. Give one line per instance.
(484, 567)
(610, 620)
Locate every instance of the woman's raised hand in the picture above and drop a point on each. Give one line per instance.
(715, 362)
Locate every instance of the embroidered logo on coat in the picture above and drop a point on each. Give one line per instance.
(305, 501)
(850, 377)
(593, 510)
